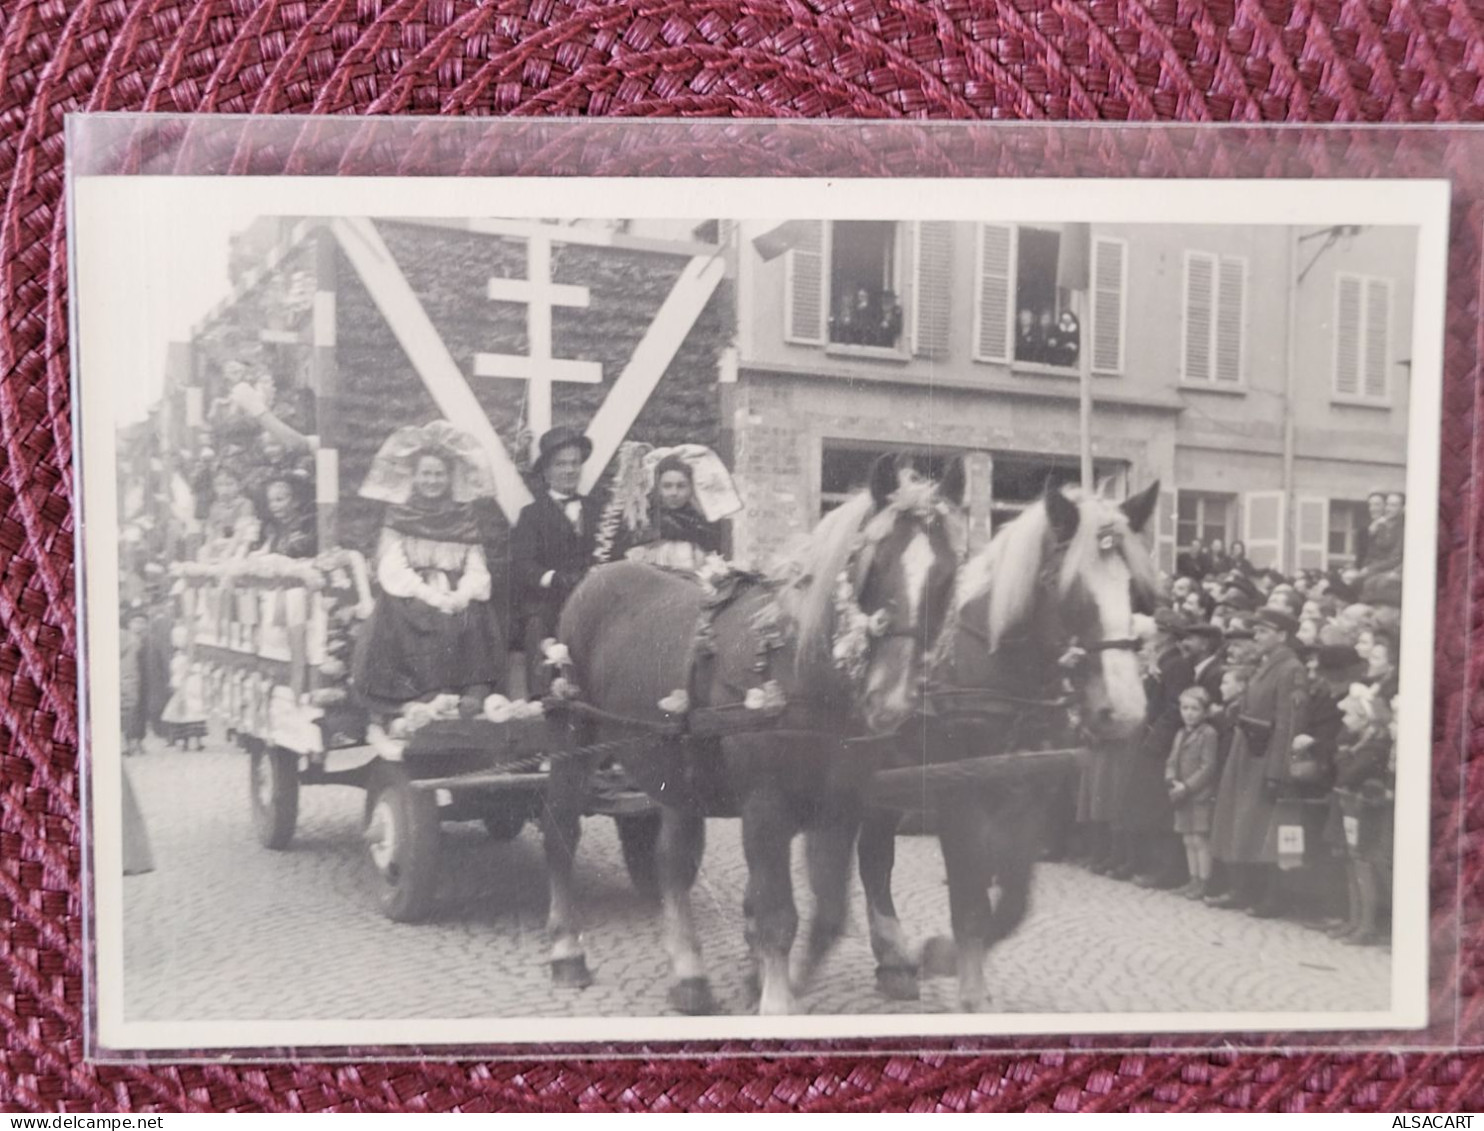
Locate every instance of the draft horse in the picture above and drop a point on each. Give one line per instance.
(829, 649)
(1047, 605)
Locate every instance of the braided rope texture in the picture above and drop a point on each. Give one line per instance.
(1238, 60)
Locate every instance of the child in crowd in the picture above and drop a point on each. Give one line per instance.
(1360, 816)
(184, 717)
(1191, 774)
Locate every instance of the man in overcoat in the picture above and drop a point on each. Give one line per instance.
(551, 548)
(1272, 712)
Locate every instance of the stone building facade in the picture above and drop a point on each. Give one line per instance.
(1259, 373)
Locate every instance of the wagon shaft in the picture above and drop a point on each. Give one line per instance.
(910, 786)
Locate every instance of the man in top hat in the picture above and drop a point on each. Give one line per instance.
(1270, 715)
(551, 548)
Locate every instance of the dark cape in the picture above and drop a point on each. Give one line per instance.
(296, 537)
(684, 524)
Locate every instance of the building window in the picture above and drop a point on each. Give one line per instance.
(1047, 331)
(1362, 337)
(865, 302)
(1214, 329)
(1025, 316)
(1017, 479)
(845, 470)
(1346, 520)
(1203, 516)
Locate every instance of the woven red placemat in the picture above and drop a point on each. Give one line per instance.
(1255, 60)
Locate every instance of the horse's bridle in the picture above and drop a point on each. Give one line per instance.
(1050, 579)
(878, 625)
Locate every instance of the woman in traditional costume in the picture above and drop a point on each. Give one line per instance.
(663, 515)
(434, 630)
(232, 525)
(184, 718)
(289, 528)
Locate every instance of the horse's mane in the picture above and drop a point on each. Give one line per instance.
(1009, 568)
(810, 573)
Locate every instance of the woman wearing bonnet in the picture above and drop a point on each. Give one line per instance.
(433, 630)
(660, 514)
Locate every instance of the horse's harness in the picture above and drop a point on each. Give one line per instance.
(855, 637)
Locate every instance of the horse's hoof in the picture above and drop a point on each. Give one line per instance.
(692, 996)
(898, 983)
(939, 958)
(752, 986)
(570, 973)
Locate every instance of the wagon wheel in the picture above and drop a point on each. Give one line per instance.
(638, 836)
(505, 823)
(402, 835)
(274, 789)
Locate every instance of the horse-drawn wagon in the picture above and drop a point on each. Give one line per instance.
(268, 640)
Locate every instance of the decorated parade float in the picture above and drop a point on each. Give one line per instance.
(337, 335)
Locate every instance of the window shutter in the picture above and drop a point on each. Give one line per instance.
(1262, 528)
(1313, 533)
(1231, 314)
(933, 290)
(1200, 302)
(1108, 269)
(1377, 346)
(992, 316)
(1166, 529)
(1348, 316)
(804, 297)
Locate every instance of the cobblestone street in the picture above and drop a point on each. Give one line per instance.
(225, 929)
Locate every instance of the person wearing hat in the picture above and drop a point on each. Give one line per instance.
(1269, 716)
(1333, 668)
(1143, 825)
(551, 548)
(1201, 644)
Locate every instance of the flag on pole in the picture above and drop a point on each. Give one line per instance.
(1074, 257)
(775, 241)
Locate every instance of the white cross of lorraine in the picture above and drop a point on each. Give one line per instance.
(540, 295)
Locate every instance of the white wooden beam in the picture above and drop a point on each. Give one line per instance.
(541, 369)
(524, 291)
(652, 356)
(425, 348)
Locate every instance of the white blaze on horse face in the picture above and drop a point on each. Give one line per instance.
(1122, 710)
(917, 567)
(891, 686)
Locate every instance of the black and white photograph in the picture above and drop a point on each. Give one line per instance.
(534, 610)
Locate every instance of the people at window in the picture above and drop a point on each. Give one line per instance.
(866, 317)
(1045, 337)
